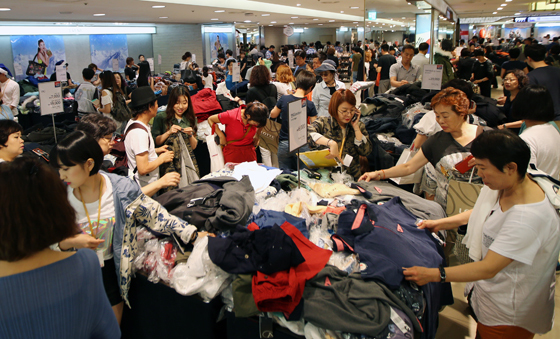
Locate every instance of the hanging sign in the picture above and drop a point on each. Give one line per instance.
(297, 124)
(431, 77)
(288, 31)
(61, 73)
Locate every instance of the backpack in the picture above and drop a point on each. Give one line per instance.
(120, 111)
(269, 96)
(75, 103)
(119, 150)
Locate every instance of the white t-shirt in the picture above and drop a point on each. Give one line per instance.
(104, 228)
(522, 294)
(208, 81)
(183, 65)
(137, 142)
(544, 142)
(107, 98)
(10, 90)
(282, 88)
(428, 125)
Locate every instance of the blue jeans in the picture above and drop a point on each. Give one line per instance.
(288, 160)
(355, 76)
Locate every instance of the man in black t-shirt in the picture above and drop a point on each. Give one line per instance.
(544, 75)
(383, 66)
(130, 69)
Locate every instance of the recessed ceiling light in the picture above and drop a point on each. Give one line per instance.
(270, 25)
(214, 19)
(291, 23)
(166, 17)
(331, 20)
(294, 17)
(5, 9)
(158, 6)
(517, 13)
(503, 5)
(99, 14)
(494, 12)
(409, 3)
(341, 11)
(304, 27)
(298, 5)
(315, 19)
(500, 8)
(247, 21)
(355, 22)
(265, 14)
(508, 0)
(320, 24)
(220, 11)
(273, 22)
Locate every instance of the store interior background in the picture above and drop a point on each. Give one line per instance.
(183, 25)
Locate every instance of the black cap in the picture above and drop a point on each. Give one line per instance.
(141, 96)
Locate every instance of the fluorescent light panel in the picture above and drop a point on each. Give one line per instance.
(217, 29)
(70, 30)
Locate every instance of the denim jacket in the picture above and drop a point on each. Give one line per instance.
(134, 209)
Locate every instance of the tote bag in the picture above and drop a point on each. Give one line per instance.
(270, 136)
(413, 178)
(216, 155)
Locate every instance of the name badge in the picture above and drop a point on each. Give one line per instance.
(347, 160)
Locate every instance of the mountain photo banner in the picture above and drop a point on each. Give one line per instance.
(105, 48)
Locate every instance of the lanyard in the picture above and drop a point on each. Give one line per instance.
(98, 209)
(343, 142)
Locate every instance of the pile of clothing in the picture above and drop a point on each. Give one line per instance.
(326, 258)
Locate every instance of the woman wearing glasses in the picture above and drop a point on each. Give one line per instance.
(342, 133)
(514, 81)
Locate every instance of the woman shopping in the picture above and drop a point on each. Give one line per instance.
(325, 89)
(46, 293)
(342, 133)
(514, 81)
(241, 125)
(514, 238)
(100, 200)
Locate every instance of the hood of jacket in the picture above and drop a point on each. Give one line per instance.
(441, 52)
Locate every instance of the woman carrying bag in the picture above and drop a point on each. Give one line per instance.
(240, 137)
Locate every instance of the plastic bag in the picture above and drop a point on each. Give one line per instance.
(345, 262)
(165, 260)
(410, 112)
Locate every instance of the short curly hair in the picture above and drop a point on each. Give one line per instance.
(260, 76)
(452, 97)
(284, 74)
(522, 78)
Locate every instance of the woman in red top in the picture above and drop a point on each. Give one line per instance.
(242, 125)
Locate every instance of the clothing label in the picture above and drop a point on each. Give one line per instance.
(378, 189)
(100, 256)
(396, 318)
(347, 160)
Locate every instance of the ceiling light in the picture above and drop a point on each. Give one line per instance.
(355, 22)
(409, 3)
(508, 0)
(331, 20)
(291, 23)
(247, 21)
(494, 12)
(270, 25)
(166, 17)
(305, 28)
(500, 8)
(298, 5)
(220, 11)
(215, 19)
(403, 17)
(294, 17)
(5, 9)
(355, 7)
(265, 14)
(273, 22)
(320, 24)
(315, 19)
(99, 14)
(158, 6)
(503, 5)
(517, 13)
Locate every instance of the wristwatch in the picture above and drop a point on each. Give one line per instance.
(442, 273)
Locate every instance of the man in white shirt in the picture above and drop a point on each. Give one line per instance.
(403, 72)
(420, 59)
(10, 91)
(143, 159)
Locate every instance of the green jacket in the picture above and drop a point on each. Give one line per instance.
(329, 128)
(442, 57)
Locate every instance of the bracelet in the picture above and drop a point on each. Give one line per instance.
(384, 176)
(504, 125)
(328, 142)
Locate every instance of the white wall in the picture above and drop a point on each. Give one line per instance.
(314, 34)
(275, 36)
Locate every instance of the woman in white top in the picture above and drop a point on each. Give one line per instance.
(516, 238)
(207, 79)
(186, 63)
(534, 106)
(109, 89)
(284, 81)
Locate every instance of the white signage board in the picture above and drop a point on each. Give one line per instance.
(236, 72)
(151, 62)
(115, 65)
(159, 59)
(431, 77)
(61, 73)
(297, 124)
(288, 31)
(50, 96)
(291, 58)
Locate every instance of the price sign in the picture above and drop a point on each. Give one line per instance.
(431, 77)
(61, 73)
(236, 72)
(297, 124)
(50, 96)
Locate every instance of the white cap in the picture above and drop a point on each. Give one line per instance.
(3, 71)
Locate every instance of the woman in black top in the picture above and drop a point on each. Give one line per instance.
(514, 81)
(465, 64)
(331, 56)
(144, 75)
(482, 73)
(275, 62)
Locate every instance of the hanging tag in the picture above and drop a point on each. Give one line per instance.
(265, 327)
(378, 189)
(347, 160)
(101, 258)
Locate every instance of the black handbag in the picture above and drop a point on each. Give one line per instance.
(189, 76)
(34, 67)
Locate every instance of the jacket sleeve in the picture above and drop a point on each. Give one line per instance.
(366, 147)
(318, 126)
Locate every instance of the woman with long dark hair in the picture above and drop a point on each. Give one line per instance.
(145, 75)
(109, 90)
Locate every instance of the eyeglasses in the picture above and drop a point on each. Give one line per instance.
(111, 139)
(349, 112)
